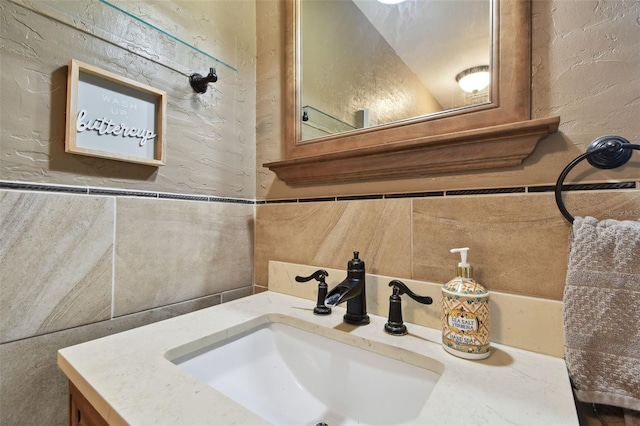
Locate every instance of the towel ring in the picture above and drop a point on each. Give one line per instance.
(606, 152)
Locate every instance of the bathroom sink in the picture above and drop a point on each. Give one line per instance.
(292, 376)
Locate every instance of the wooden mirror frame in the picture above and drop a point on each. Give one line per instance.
(496, 134)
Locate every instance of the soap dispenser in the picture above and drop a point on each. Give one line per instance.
(465, 313)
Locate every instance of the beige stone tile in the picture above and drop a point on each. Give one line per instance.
(33, 390)
(327, 233)
(56, 257)
(620, 205)
(530, 323)
(169, 251)
(518, 243)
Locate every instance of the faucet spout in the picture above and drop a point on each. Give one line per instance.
(353, 291)
(345, 291)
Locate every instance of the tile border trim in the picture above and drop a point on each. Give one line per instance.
(457, 192)
(113, 192)
(585, 187)
(68, 189)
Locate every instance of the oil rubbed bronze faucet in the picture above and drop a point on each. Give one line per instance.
(351, 290)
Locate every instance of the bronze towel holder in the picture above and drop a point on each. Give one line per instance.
(606, 152)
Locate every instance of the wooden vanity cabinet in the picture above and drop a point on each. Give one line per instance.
(81, 412)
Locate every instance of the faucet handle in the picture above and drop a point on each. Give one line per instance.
(319, 276)
(401, 288)
(395, 325)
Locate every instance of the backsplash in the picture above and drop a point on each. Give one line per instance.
(515, 320)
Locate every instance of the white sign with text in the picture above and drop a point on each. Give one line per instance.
(113, 117)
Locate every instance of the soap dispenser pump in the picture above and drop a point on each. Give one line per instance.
(465, 313)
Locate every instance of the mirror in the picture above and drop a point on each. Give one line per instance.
(365, 63)
(496, 133)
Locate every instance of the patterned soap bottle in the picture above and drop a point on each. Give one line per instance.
(465, 313)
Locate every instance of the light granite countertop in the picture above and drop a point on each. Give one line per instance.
(129, 379)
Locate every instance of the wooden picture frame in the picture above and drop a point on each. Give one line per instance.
(110, 116)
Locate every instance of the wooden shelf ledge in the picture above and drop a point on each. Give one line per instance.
(490, 147)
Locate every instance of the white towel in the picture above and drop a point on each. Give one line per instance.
(602, 312)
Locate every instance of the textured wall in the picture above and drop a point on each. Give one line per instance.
(87, 253)
(586, 69)
(210, 137)
(348, 66)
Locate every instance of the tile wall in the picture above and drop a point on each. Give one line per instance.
(78, 267)
(91, 247)
(518, 241)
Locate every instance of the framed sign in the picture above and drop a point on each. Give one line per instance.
(109, 116)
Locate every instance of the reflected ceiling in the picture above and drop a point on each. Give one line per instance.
(433, 51)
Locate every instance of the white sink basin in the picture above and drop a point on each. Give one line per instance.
(290, 376)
